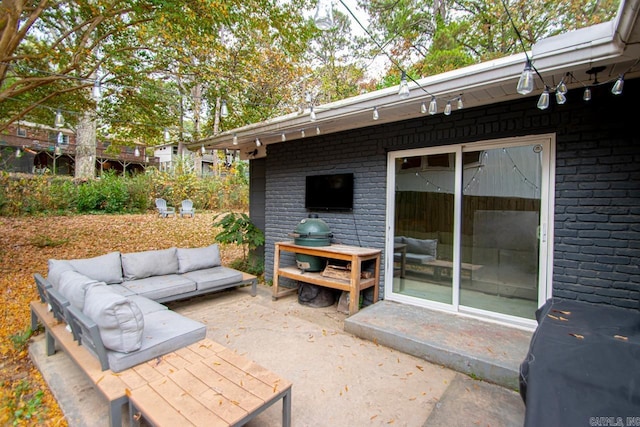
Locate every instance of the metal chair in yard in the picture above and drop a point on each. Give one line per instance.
(187, 208)
(164, 210)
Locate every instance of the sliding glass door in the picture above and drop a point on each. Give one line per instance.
(469, 227)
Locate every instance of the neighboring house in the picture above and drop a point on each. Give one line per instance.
(204, 162)
(500, 204)
(32, 148)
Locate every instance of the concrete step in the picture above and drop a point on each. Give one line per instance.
(484, 350)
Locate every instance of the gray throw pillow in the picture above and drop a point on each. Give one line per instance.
(56, 268)
(138, 265)
(73, 285)
(198, 258)
(119, 319)
(422, 246)
(104, 268)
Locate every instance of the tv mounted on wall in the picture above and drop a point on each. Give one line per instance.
(329, 192)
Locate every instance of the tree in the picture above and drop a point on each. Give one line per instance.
(160, 63)
(335, 60)
(440, 35)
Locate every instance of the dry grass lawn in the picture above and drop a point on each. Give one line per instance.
(25, 246)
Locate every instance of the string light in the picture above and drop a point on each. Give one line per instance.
(376, 115)
(423, 107)
(433, 106)
(587, 94)
(59, 120)
(224, 110)
(283, 138)
(404, 92)
(258, 143)
(525, 83)
(460, 104)
(235, 139)
(447, 109)
(312, 115)
(166, 135)
(543, 101)
(136, 152)
(618, 85)
(323, 17)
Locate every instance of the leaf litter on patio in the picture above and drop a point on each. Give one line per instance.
(25, 246)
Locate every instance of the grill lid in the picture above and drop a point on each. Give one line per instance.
(313, 228)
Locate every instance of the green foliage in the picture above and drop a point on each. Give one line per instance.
(25, 404)
(108, 194)
(42, 241)
(21, 339)
(237, 228)
(22, 194)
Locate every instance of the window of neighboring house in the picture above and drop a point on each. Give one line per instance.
(58, 137)
(174, 150)
(21, 132)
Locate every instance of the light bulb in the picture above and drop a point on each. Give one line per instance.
(95, 91)
(312, 115)
(423, 107)
(433, 106)
(587, 94)
(525, 84)
(317, 130)
(202, 149)
(543, 101)
(323, 17)
(283, 137)
(447, 109)
(460, 104)
(224, 110)
(136, 152)
(258, 143)
(302, 133)
(617, 86)
(235, 139)
(59, 120)
(18, 153)
(376, 115)
(166, 135)
(560, 98)
(404, 92)
(562, 87)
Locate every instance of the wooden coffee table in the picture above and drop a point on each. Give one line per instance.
(206, 384)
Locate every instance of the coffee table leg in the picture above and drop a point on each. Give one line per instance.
(286, 409)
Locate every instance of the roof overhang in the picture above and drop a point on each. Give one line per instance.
(614, 45)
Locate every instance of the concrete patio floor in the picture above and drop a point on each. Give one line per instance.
(338, 379)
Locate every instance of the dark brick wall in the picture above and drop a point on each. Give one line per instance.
(597, 206)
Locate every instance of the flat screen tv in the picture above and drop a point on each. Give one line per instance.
(329, 192)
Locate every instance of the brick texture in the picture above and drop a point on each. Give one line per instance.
(597, 193)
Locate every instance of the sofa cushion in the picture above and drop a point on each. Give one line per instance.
(161, 287)
(104, 268)
(119, 319)
(421, 246)
(212, 278)
(165, 331)
(122, 290)
(190, 259)
(56, 268)
(139, 265)
(73, 285)
(146, 305)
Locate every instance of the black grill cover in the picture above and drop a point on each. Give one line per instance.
(580, 369)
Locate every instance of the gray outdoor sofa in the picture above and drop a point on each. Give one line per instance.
(112, 302)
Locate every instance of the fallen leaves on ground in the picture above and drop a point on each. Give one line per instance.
(25, 246)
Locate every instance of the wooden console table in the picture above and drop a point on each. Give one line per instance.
(353, 254)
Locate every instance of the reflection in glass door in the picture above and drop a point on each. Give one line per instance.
(424, 214)
(469, 227)
(500, 221)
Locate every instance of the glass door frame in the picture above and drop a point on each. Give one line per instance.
(545, 228)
